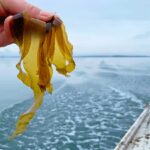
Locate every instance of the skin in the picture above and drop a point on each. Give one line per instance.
(8, 8)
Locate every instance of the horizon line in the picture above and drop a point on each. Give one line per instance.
(115, 55)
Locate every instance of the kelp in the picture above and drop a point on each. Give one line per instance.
(42, 46)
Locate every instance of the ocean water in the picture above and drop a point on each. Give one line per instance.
(90, 110)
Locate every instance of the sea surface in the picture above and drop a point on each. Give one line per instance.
(90, 110)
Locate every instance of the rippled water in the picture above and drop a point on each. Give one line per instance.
(91, 110)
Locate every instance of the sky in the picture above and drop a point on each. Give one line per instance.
(101, 27)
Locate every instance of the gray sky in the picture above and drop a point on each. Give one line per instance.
(102, 26)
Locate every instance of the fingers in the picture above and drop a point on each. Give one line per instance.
(37, 13)
(46, 16)
(33, 11)
(5, 35)
(20, 6)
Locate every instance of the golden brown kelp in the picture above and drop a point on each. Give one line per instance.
(41, 46)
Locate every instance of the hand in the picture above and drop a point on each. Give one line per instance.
(8, 8)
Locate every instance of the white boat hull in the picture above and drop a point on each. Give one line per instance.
(138, 136)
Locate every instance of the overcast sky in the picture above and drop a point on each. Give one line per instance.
(102, 26)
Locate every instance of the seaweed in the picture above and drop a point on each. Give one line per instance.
(42, 45)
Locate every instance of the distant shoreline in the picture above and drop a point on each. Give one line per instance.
(112, 56)
(84, 56)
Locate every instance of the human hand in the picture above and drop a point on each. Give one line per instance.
(8, 8)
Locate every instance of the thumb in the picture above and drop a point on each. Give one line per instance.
(5, 35)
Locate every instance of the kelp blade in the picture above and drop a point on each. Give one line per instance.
(39, 50)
